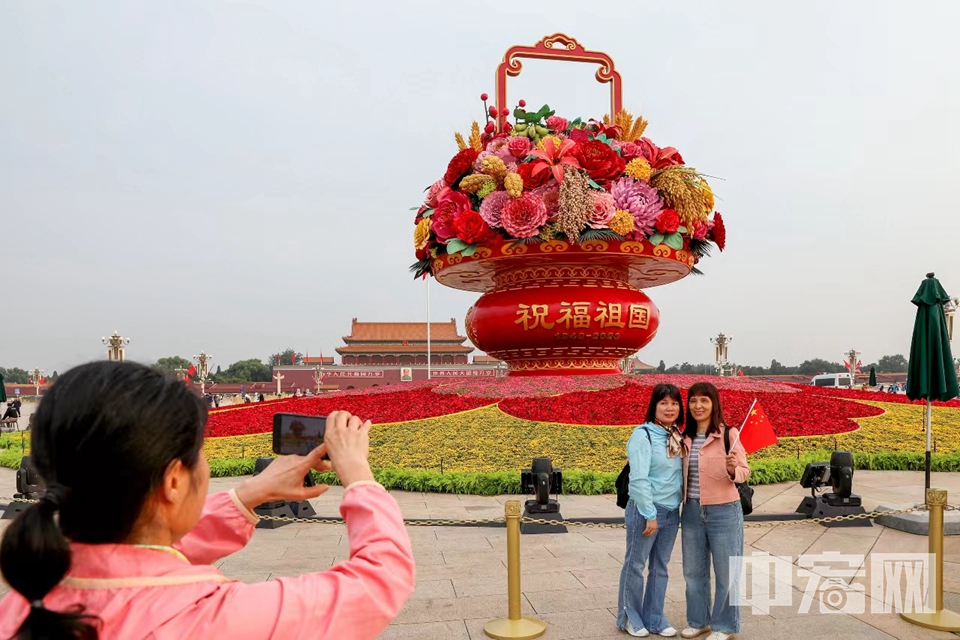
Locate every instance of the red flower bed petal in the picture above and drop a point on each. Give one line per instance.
(792, 414)
(874, 396)
(380, 407)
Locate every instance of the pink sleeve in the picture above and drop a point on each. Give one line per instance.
(225, 527)
(355, 599)
(743, 468)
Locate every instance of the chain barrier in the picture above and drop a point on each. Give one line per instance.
(573, 523)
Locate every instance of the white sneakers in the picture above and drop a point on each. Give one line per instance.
(636, 633)
(720, 635)
(691, 632)
(669, 632)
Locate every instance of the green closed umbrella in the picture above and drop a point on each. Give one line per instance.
(873, 377)
(930, 374)
(3, 390)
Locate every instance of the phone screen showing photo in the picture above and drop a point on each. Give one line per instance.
(295, 434)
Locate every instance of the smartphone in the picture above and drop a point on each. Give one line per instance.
(296, 434)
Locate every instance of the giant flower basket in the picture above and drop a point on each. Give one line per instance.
(562, 223)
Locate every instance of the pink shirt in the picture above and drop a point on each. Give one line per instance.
(146, 593)
(716, 485)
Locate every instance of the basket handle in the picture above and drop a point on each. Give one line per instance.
(568, 50)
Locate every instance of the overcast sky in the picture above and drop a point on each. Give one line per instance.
(237, 177)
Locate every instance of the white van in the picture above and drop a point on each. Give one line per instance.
(832, 380)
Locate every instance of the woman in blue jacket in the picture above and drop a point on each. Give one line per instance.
(655, 452)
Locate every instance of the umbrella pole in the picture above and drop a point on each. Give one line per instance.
(927, 469)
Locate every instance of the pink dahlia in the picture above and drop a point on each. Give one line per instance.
(522, 217)
(446, 214)
(551, 198)
(604, 208)
(491, 206)
(641, 200)
(557, 124)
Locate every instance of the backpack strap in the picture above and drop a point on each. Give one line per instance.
(726, 439)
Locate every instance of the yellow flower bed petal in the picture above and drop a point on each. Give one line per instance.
(486, 439)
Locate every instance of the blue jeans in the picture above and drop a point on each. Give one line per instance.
(644, 609)
(717, 531)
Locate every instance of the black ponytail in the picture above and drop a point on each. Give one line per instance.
(104, 435)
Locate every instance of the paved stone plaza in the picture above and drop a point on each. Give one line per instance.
(570, 580)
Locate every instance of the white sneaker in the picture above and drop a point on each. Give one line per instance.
(691, 632)
(641, 633)
(720, 635)
(669, 632)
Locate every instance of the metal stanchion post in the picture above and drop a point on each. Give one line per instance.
(940, 619)
(514, 626)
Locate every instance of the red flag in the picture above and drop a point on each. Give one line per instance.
(192, 370)
(740, 372)
(756, 431)
(859, 364)
(42, 379)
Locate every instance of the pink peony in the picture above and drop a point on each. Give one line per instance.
(436, 192)
(522, 217)
(641, 200)
(603, 211)
(551, 198)
(499, 147)
(557, 124)
(446, 214)
(518, 147)
(491, 206)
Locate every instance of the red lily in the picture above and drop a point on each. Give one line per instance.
(553, 158)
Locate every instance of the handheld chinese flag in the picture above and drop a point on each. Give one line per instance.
(192, 370)
(756, 431)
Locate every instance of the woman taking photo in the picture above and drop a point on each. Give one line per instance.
(122, 542)
(654, 452)
(712, 519)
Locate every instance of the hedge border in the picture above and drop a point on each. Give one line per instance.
(575, 482)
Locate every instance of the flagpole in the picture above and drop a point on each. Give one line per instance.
(429, 363)
(742, 426)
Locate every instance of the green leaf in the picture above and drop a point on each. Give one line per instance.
(469, 251)
(456, 245)
(576, 122)
(681, 229)
(656, 239)
(414, 208)
(599, 234)
(674, 241)
(594, 185)
(428, 213)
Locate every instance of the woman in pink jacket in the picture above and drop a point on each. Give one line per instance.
(711, 523)
(121, 544)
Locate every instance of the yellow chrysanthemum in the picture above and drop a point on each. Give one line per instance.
(556, 142)
(421, 233)
(513, 183)
(474, 182)
(622, 223)
(493, 166)
(638, 169)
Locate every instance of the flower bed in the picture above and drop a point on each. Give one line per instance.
(874, 396)
(538, 387)
(792, 414)
(399, 406)
(488, 440)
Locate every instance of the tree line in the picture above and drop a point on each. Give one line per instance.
(887, 364)
(249, 370)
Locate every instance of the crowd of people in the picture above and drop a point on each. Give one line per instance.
(139, 564)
